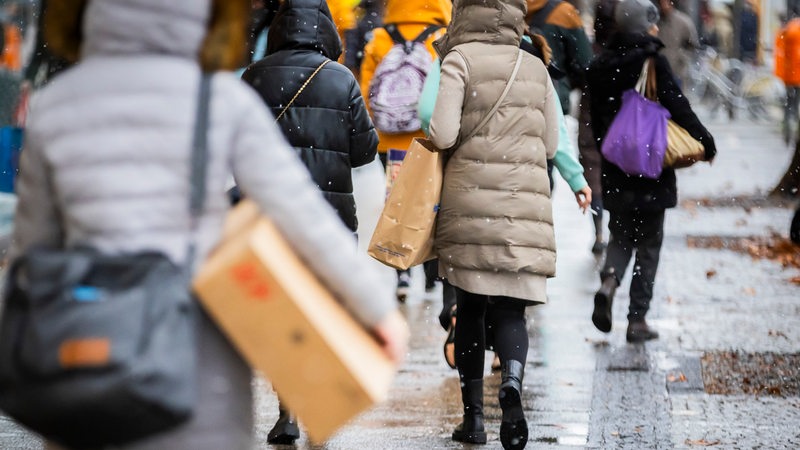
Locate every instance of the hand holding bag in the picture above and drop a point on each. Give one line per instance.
(636, 141)
(405, 232)
(98, 349)
(403, 236)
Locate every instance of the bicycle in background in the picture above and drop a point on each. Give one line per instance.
(734, 86)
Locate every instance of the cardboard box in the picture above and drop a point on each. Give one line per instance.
(324, 365)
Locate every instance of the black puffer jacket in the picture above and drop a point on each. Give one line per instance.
(614, 71)
(328, 123)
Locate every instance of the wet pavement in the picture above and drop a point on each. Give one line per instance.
(586, 389)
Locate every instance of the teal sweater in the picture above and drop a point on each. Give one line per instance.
(565, 161)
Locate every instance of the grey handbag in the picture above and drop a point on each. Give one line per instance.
(100, 349)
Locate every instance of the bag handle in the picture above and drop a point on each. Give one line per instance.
(646, 84)
(300, 91)
(499, 100)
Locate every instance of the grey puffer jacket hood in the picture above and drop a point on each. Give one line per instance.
(149, 27)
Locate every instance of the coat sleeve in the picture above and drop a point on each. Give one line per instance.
(445, 126)
(37, 221)
(267, 171)
(427, 99)
(551, 106)
(671, 97)
(363, 137)
(566, 163)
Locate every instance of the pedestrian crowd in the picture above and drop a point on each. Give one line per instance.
(322, 88)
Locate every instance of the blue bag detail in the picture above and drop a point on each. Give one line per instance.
(86, 294)
(10, 148)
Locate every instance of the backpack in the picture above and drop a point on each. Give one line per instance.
(397, 84)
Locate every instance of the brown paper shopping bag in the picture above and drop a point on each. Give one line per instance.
(324, 365)
(404, 235)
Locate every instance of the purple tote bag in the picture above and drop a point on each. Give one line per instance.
(636, 141)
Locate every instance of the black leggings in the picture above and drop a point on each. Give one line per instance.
(503, 316)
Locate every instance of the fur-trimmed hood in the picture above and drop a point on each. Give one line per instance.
(213, 32)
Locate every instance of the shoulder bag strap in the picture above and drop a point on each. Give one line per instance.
(199, 159)
(646, 84)
(300, 91)
(499, 100)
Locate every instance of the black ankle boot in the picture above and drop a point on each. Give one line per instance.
(285, 430)
(603, 300)
(471, 429)
(513, 428)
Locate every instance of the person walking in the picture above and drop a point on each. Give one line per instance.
(494, 234)
(561, 24)
(303, 40)
(787, 68)
(106, 164)
(399, 78)
(369, 14)
(636, 204)
(679, 36)
(564, 160)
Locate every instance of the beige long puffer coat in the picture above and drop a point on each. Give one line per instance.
(494, 232)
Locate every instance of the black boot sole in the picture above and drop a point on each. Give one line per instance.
(514, 427)
(476, 437)
(601, 316)
(638, 338)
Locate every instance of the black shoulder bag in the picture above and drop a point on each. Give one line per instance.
(100, 349)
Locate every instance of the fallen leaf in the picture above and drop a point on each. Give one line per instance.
(701, 442)
(679, 378)
(749, 291)
(778, 333)
(711, 273)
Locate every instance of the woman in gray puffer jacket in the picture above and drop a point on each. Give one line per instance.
(106, 164)
(494, 231)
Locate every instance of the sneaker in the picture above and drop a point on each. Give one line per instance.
(639, 331)
(403, 284)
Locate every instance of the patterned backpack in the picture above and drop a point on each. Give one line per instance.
(397, 84)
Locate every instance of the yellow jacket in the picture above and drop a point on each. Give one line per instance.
(411, 17)
(344, 15)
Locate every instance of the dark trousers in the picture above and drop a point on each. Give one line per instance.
(643, 232)
(506, 317)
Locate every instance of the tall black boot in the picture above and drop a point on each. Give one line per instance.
(471, 429)
(514, 427)
(599, 243)
(603, 300)
(285, 430)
